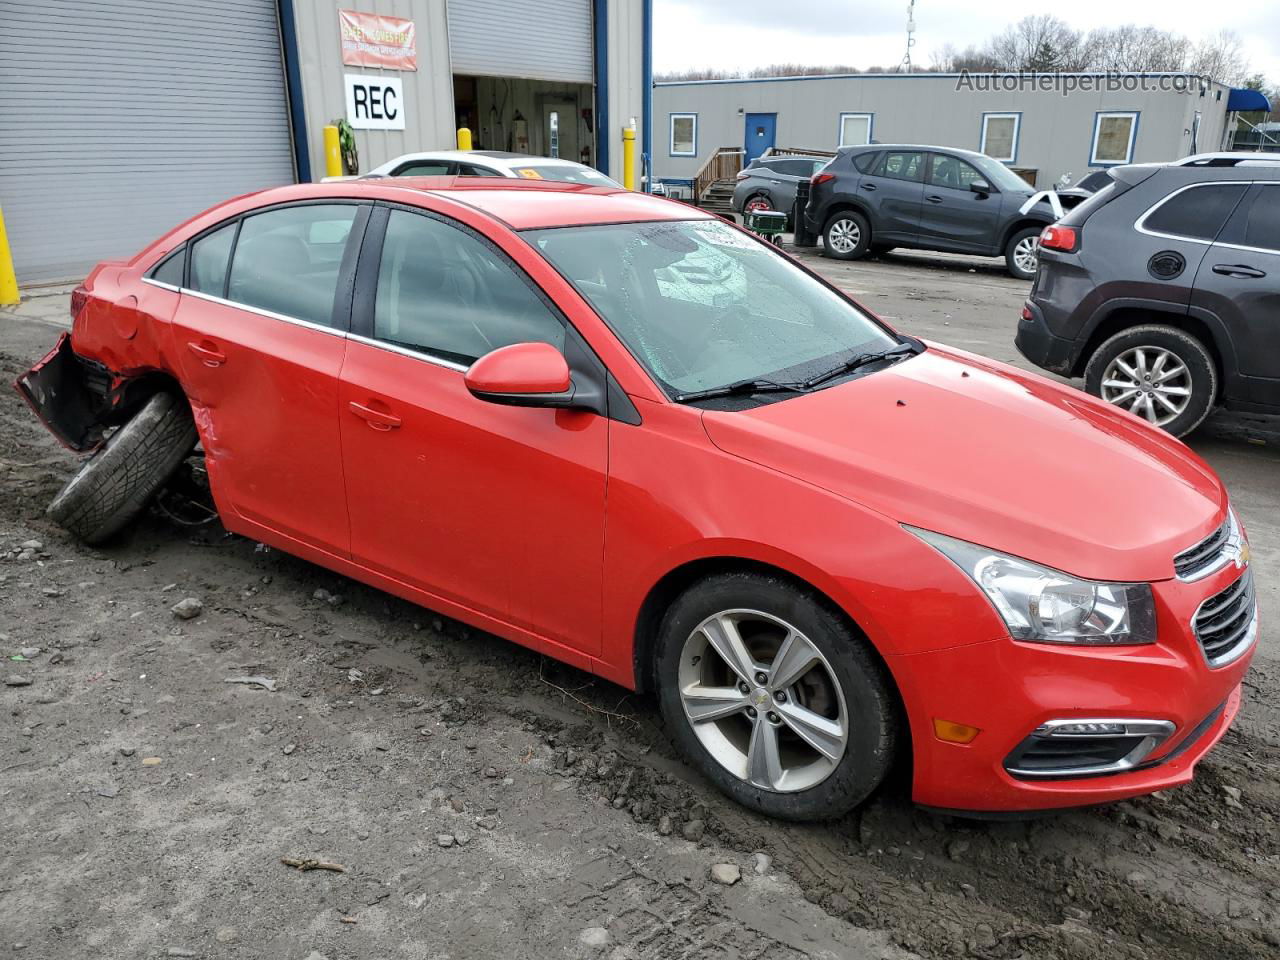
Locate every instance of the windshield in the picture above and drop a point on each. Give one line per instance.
(565, 173)
(703, 305)
(1001, 176)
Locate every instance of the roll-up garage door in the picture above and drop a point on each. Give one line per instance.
(538, 39)
(119, 119)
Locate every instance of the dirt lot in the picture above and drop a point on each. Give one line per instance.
(484, 802)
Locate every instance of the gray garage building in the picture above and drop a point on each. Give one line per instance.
(1044, 126)
(124, 118)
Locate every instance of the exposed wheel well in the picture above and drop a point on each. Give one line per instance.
(138, 390)
(1125, 317)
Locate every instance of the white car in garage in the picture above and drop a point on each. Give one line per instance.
(491, 163)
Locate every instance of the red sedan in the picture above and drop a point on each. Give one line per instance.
(632, 437)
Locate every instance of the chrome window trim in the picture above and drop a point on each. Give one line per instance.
(1140, 223)
(1153, 732)
(405, 351)
(310, 325)
(161, 284)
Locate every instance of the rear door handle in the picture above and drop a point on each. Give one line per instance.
(934, 198)
(209, 354)
(867, 186)
(1238, 270)
(377, 419)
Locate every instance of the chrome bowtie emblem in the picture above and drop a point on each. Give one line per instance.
(759, 697)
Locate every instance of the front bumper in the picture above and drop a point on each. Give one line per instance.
(1009, 689)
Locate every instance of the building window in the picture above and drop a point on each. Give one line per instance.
(1000, 136)
(1113, 137)
(684, 135)
(855, 129)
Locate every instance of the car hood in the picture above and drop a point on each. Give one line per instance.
(978, 450)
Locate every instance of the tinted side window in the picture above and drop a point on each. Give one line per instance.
(445, 292)
(209, 257)
(865, 161)
(424, 168)
(1262, 224)
(1197, 213)
(471, 170)
(170, 268)
(287, 260)
(947, 171)
(903, 166)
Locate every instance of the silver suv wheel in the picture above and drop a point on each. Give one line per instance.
(1149, 381)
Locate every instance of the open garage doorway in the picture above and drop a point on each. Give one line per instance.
(540, 117)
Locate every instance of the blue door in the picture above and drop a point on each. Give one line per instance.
(761, 128)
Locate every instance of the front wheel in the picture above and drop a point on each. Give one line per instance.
(1160, 373)
(847, 236)
(1022, 253)
(774, 698)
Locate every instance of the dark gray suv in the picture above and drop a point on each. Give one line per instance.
(769, 183)
(1163, 290)
(873, 198)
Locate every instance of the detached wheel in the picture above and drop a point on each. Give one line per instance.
(774, 698)
(847, 236)
(113, 485)
(1021, 254)
(1158, 372)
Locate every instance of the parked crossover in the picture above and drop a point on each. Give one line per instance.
(1163, 290)
(633, 437)
(874, 198)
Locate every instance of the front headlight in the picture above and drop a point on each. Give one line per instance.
(1045, 605)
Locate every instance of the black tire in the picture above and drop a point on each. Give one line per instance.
(850, 221)
(768, 204)
(112, 486)
(880, 249)
(1011, 261)
(870, 704)
(1202, 372)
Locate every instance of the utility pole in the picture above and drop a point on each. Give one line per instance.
(911, 36)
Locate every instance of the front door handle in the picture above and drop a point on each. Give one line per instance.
(1239, 270)
(377, 419)
(867, 186)
(934, 198)
(208, 353)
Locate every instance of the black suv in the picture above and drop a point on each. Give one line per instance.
(1163, 290)
(877, 197)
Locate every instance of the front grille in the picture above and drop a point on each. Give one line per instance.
(1225, 623)
(1204, 555)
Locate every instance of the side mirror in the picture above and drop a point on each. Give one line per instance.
(980, 186)
(522, 375)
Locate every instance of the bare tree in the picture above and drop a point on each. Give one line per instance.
(1041, 42)
(1220, 57)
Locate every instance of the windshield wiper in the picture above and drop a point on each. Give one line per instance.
(861, 360)
(740, 388)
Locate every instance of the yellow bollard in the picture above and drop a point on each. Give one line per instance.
(8, 279)
(629, 157)
(464, 138)
(332, 152)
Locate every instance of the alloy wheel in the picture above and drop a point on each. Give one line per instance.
(1026, 254)
(844, 236)
(763, 700)
(1149, 381)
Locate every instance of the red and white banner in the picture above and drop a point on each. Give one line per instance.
(372, 40)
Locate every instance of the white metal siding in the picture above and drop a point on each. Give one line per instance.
(122, 119)
(538, 39)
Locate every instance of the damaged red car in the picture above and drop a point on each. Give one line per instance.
(635, 438)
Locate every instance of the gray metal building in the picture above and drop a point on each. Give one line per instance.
(122, 119)
(1044, 127)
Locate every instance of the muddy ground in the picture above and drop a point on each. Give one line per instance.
(485, 802)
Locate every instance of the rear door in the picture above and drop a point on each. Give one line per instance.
(1239, 281)
(260, 331)
(952, 216)
(499, 509)
(894, 191)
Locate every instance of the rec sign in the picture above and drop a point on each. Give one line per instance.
(374, 103)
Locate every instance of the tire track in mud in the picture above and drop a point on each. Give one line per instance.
(1192, 873)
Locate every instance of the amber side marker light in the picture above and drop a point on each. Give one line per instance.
(949, 731)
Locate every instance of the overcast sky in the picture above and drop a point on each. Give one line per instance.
(734, 34)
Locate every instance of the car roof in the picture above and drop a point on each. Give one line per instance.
(531, 204)
(960, 151)
(500, 158)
